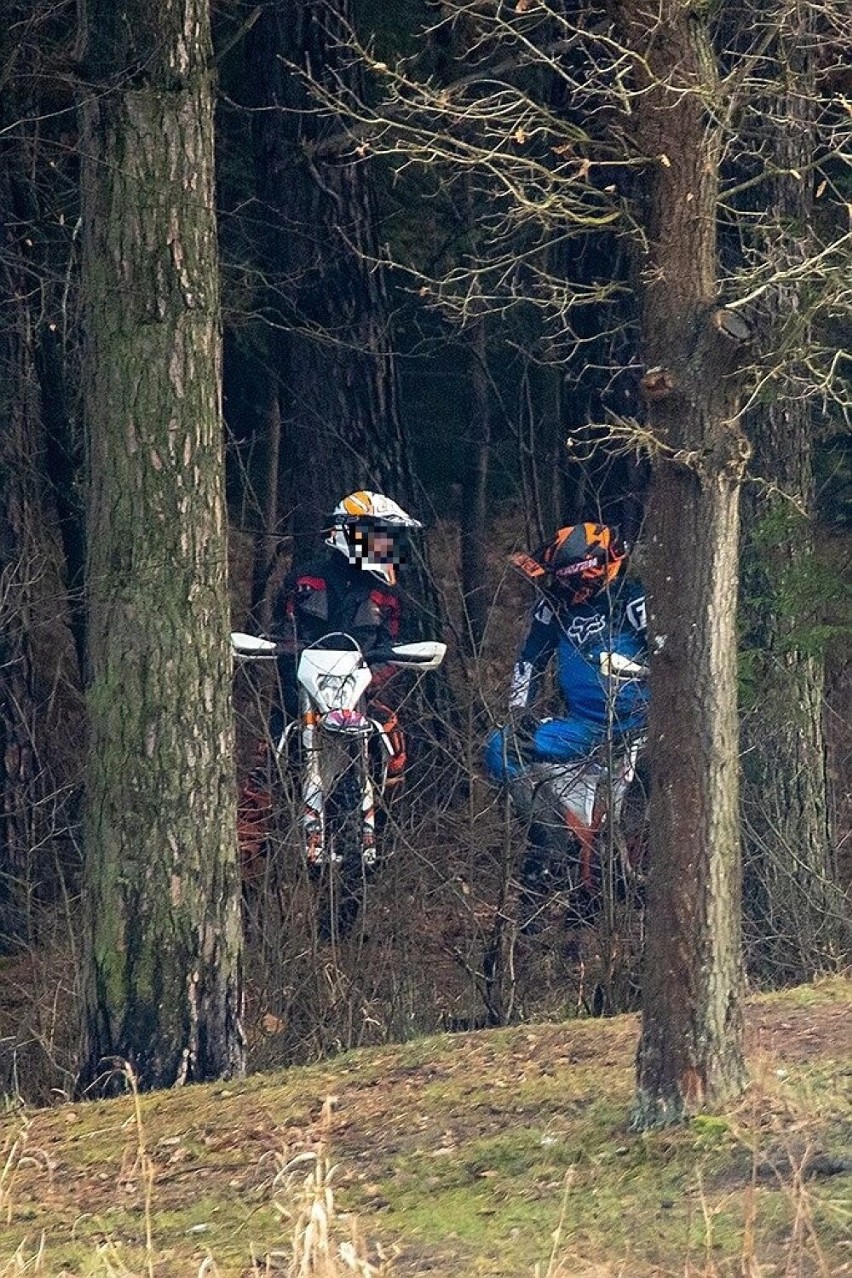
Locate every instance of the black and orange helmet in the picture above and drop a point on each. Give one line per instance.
(578, 563)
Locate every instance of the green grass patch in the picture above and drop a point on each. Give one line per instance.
(465, 1152)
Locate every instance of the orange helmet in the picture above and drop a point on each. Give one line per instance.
(578, 563)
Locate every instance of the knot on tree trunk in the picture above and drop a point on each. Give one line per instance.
(658, 383)
(732, 326)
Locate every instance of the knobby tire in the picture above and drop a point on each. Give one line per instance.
(345, 881)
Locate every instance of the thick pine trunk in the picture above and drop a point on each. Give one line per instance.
(164, 961)
(690, 1053)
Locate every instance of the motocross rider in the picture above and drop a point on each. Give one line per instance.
(351, 587)
(586, 607)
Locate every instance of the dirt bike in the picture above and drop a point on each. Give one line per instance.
(339, 778)
(586, 821)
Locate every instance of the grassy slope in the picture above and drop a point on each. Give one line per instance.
(464, 1152)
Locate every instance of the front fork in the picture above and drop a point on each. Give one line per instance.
(314, 785)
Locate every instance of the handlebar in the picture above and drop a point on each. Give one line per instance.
(243, 645)
(422, 656)
(620, 667)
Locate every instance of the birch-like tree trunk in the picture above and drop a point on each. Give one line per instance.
(162, 889)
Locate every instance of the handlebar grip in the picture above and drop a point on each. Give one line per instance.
(259, 649)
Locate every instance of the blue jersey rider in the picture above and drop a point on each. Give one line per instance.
(586, 611)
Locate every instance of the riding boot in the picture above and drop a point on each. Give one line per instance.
(536, 884)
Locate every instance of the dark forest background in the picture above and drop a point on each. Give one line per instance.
(428, 218)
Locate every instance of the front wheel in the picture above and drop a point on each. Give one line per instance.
(343, 879)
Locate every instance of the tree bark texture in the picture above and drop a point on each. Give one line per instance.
(342, 411)
(341, 426)
(797, 912)
(21, 567)
(473, 527)
(690, 1053)
(163, 896)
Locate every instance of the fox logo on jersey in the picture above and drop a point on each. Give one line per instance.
(582, 629)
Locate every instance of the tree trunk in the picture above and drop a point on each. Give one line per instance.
(254, 429)
(793, 902)
(20, 569)
(690, 1052)
(473, 522)
(342, 415)
(163, 898)
(342, 421)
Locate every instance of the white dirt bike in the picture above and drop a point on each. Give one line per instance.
(339, 780)
(573, 809)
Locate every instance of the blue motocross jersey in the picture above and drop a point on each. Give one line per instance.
(613, 623)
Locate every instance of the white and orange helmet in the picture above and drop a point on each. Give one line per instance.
(362, 513)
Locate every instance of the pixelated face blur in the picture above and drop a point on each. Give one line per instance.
(379, 545)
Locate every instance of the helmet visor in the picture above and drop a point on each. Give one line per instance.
(592, 568)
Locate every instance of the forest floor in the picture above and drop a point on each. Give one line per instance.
(498, 1152)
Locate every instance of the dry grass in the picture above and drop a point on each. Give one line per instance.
(494, 1153)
